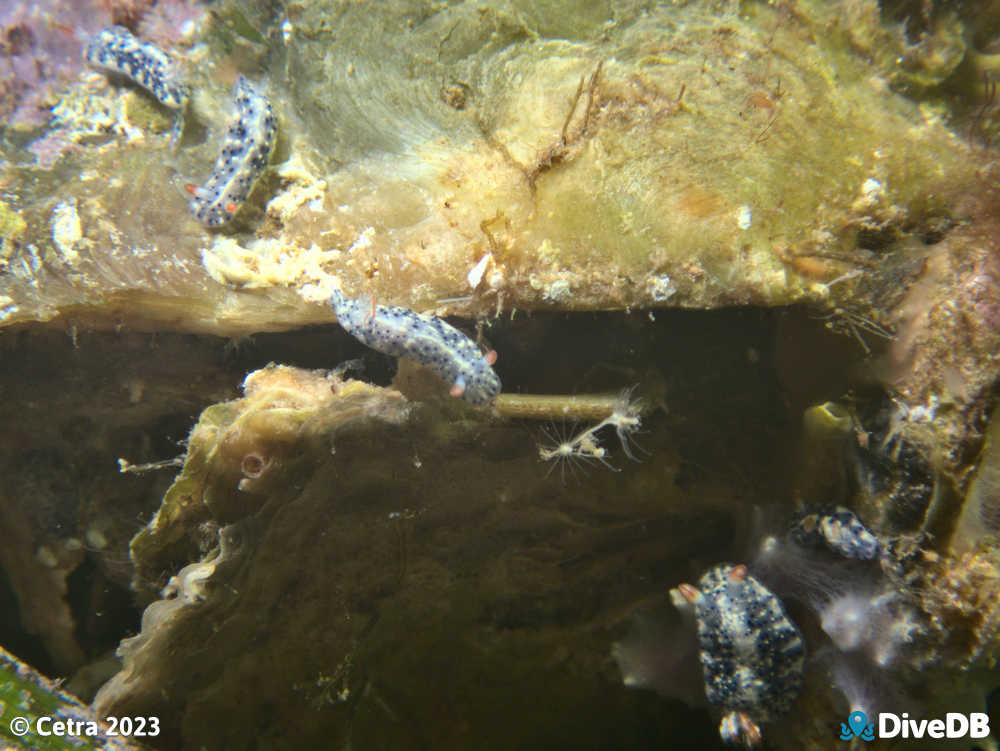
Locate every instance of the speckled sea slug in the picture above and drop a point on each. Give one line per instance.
(246, 150)
(751, 654)
(429, 340)
(117, 51)
(838, 529)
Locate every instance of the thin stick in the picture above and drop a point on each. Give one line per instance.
(557, 406)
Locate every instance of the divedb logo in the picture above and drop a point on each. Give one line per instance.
(889, 725)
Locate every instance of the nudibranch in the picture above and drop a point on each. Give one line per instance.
(401, 332)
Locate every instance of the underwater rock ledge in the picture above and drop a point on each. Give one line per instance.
(371, 567)
(352, 541)
(633, 165)
(430, 536)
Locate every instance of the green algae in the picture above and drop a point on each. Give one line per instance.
(27, 695)
(12, 224)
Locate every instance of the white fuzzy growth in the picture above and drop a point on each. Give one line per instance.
(798, 573)
(898, 631)
(849, 620)
(855, 681)
(878, 625)
(856, 607)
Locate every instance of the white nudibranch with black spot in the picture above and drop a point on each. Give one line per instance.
(752, 655)
(246, 150)
(838, 529)
(401, 332)
(116, 50)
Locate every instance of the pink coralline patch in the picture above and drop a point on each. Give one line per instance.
(48, 149)
(980, 291)
(42, 44)
(948, 322)
(127, 13)
(170, 22)
(947, 337)
(43, 40)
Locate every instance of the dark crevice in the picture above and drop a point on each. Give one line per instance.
(14, 637)
(103, 611)
(734, 383)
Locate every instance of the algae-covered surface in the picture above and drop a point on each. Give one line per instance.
(734, 263)
(476, 159)
(31, 705)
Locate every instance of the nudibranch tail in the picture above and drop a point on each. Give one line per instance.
(246, 149)
(425, 338)
(739, 730)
